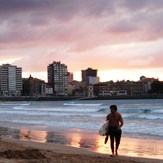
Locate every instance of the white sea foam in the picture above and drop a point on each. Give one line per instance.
(81, 104)
(58, 109)
(14, 104)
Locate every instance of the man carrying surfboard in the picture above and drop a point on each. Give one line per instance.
(115, 123)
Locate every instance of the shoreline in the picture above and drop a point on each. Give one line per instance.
(15, 151)
(71, 98)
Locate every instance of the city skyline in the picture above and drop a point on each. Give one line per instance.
(122, 39)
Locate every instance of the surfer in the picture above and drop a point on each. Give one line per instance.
(115, 123)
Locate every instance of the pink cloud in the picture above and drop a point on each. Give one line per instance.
(39, 32)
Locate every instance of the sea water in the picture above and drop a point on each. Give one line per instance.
(77, 123)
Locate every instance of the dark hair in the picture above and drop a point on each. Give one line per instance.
(113, 107)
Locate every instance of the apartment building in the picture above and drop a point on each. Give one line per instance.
(33, 87)
(90, 76)
(58, 78)
(70, 77)
(10, 80)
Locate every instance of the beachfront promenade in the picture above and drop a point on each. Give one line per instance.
(67, 98)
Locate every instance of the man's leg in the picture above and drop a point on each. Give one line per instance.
(112, 143)
(118, 139)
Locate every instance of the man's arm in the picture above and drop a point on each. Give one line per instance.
(107, 117)
(121, 121)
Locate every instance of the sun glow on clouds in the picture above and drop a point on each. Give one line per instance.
(125, 74)
(141, 61)
(8, 61)
(39, 75)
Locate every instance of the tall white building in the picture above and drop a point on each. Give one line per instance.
(58, 78)
(10, 80)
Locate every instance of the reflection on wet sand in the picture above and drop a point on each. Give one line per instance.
(81, 140)
(142, 148)
(32, 135)
(101, 147)
(75, 140)
(128, 146)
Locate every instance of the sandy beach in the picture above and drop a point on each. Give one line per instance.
(19, 151)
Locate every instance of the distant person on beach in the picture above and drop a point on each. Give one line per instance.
(115, 123)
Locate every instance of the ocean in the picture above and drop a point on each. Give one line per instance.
(76, 123)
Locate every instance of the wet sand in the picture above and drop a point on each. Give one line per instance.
(19, 151)
(129, 147)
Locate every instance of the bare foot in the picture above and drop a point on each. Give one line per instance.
(116, 153)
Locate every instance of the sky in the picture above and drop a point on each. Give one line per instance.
(122, 39)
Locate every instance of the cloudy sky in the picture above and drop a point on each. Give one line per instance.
(123, 39)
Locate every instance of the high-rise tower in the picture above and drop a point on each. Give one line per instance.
(58, 78)
(10, 80)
